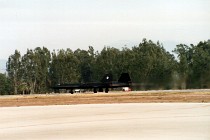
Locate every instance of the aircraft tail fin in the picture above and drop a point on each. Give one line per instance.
(107, 78)
(124, 78)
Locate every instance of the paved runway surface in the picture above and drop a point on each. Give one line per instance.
(146, 121)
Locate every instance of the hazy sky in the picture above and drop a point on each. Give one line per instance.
(74, 24)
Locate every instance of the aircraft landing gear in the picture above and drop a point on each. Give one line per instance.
(95, 90)
(106, 90)
(71, 91)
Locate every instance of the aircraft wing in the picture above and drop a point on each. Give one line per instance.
(106, 83)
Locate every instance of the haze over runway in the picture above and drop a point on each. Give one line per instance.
(145, 121)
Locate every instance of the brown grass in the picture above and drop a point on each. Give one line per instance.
(102, 98)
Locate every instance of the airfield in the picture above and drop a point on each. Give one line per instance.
(155, 96)
(145, 115)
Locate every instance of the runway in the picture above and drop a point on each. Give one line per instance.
(139, 121)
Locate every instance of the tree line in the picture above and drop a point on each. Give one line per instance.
(149, 65)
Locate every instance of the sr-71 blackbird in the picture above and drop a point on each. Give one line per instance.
(105, 84)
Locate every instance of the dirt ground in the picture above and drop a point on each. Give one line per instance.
(105, 98)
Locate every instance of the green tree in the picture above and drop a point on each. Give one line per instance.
(152, 65)
(64, 67)
(42, 58)
(199, 76)
(5, 86)
(13, 70)
(29, 69)
(35, 69)
(184, 56)
(86, 64)
(107, 62)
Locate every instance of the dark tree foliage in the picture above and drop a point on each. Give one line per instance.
(64, 67)
(152, 65)
(149, 65)
(5, 85)
(13, 70)
(85, 64)
(194, 65)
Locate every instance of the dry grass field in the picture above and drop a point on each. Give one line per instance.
(106, 98)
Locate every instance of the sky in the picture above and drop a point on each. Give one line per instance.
(61, 24)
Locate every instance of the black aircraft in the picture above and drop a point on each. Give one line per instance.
(106, 83)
